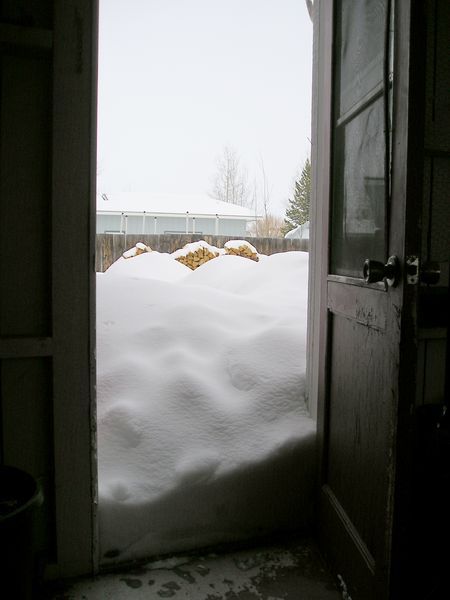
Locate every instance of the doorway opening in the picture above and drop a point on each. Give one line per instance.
(204, 433)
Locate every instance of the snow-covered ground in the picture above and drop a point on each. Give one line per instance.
(203, 431)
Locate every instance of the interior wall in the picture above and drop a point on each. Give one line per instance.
(25, 262)
(47, 237)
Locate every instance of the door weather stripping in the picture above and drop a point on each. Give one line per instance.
(343, 586)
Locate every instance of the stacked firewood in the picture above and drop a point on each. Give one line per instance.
(196, 254)
(241, 248)
(140, 248)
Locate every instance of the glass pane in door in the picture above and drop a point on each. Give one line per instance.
(358, 195)
(359, 201)
(360, 26)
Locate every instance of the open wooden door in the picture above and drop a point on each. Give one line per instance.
(367, 190)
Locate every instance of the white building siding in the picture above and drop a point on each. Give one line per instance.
(138, 224)
(108, 223)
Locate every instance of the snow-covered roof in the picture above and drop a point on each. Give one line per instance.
(169, 204)
(301, 232)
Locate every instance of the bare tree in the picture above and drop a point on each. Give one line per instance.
(265, 193)
(270, 225)
(231, 181)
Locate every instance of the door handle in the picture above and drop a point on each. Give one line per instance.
(374, 271)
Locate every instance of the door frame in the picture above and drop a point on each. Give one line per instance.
(73, 183)
(80, 22)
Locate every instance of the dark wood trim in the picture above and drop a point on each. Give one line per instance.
(380, 286)
(360, 106)
(25, 347)
(92, 242)
(319, 250)
(408, 143)
(435, 153)
(356, 563)
(16, 37)
(350, 528)
(73, 215)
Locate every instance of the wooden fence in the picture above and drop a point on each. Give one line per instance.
(110, 246)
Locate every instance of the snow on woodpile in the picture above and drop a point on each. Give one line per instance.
(203, 430)
(195, 254)
(140, 248)
(241, 248)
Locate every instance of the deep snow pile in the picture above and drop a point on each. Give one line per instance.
(203, 431)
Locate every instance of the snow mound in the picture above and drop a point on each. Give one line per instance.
(203, 431)
(149, 265)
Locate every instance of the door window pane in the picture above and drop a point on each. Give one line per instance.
(360, 26)
(358, 212)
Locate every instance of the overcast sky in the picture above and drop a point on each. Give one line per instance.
(181, 79)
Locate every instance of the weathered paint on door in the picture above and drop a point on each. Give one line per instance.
(366, 332)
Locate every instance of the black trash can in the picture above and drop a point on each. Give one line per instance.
(20, 495)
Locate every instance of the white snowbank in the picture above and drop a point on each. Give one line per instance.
(203, 431)
(150, 265)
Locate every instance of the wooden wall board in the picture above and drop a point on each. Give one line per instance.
(24, 189)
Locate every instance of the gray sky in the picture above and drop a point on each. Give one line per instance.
(181, 79)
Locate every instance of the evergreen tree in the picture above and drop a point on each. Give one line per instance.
(297, 212)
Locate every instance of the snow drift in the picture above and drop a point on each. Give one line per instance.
(203, 431)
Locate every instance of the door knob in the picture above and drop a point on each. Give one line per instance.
(374, 271)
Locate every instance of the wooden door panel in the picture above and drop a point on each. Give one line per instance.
(359, 423)
(364, 305)
(345, 550)
(357, 476)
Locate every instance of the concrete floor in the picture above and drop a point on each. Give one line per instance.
(285, 570)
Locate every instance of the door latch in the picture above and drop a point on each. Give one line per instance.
(412, 270)
(428, 273)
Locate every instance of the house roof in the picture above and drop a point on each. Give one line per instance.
(300, 233)
(170, 204)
